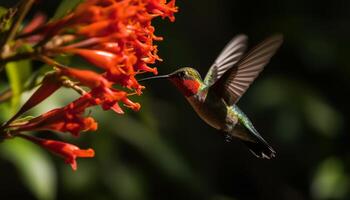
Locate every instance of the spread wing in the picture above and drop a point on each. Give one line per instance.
(236, 80)
(228, 57)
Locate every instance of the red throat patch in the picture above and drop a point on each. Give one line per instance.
(187, 86)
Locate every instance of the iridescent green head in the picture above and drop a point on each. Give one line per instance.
(185, 73)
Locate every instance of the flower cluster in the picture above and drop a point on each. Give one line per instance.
(117, 37)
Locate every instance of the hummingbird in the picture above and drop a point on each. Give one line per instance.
(214, 98)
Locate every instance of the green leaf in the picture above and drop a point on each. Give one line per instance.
(35, 167)
(17, 73)
(65, 7)
(322, 116)
(330, 181)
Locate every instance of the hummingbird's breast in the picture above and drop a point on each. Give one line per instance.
(213, 110)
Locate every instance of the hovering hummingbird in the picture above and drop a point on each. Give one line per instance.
(214, 98)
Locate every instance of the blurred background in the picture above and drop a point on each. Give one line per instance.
(299, 104)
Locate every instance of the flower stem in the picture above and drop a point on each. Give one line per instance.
(66, 82)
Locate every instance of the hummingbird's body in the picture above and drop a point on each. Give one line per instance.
(214, 98)
(215, 112)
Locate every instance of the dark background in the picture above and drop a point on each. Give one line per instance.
(299, 104)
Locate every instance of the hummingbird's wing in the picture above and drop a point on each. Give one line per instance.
(228, 57)
(236, 80)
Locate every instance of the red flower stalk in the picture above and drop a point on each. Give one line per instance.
(68, 152)
(116, 36)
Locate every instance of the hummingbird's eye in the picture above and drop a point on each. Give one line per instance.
(182, 74)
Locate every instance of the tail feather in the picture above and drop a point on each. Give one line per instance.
(260, 149)
(245, 131)
(254, 141)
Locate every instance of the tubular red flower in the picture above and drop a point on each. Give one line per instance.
(98, 29)
(67, 119)
(48, 86)
(102, 59)
(68, 152)
(37, 21)
(160, 7)
(85, 77)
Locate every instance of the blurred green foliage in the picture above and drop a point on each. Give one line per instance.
(17, 73)
(36, 169)
(299, 104)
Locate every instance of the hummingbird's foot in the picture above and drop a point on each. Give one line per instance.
(228, 137)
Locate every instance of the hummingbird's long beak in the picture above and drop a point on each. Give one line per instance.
(154, 77)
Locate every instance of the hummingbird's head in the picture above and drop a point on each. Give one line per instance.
(186, 79)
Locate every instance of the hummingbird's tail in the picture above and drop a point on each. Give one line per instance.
(260, 149)
(254, 141)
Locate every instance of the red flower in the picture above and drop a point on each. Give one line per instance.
(49, 85)
(37, 21)
(102, 59)
(67, 119)
(109, 98)
(116, 36)
(67, 151)
(85, 77)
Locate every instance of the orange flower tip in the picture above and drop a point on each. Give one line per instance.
(154, 70)
(84, 153)
(172, 19)
(90, 124)
(116, 108)
(73, 164)
(139, 90)
(134, 106)
(158, 38)
(137, 107)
